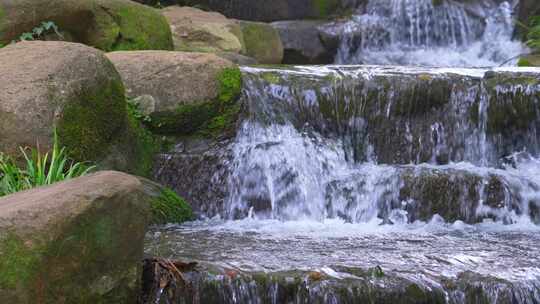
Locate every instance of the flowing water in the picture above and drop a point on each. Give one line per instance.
(427, 33)
(370, 184)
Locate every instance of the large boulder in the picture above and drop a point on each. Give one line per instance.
(75, 89)
(195, 30)
(181, 92)
(79, 241)
(262, 42)
(105, 24)
(302, 42)
(171, 79)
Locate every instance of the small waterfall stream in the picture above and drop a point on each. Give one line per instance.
(429, 33)
(373, 183)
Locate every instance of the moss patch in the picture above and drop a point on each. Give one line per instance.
(324, 8)
(18, 263)
(170, 208)
(139, 145)
(210, 118)
(262, 42)
(142, 28)
(89, 123)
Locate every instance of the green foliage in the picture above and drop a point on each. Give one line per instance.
(38, 32)
(40, 169)
(170, 208)
(533, 35)
(135, 110)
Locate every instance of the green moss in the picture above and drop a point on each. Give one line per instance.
(142, 28)
(262, 42)
(170, 208)
(523, 62)
(139, 145)
(511, 110)
(271, 77)
(324, 8)
(210, 118)
(229, 84)
(18, 264)
(90, 122)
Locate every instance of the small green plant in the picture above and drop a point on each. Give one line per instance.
(40, 169)
(170, 208)
(38, 32)
(135, 109)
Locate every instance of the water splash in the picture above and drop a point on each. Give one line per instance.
(421, 33)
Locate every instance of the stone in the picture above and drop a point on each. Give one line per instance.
(105, 24)
(302, 42)
(79, 241)
(263, 42)
(76, 90)
(195, 30)
(170, 78)
(65, 85)
(267, 11)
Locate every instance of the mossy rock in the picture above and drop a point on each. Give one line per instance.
(168, 207)
(79, 241)
(76, 90)
(105, 24)
(262, 42)
(211, 118)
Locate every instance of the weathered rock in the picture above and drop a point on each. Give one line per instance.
(302, 43)
(76, 89)
(67, 85)
(262, 42)
(79, 241)
(105, 24)
(263, 10)
(195, 30)
(171, 78)
(238, 58)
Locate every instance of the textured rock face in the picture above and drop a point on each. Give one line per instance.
(67, 85)
(303, 44)
(105, 24)
(79, 241)
(262, 42)
(170, 78)
(195, 30)
(262, 10)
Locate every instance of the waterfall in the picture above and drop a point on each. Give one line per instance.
(373, 183)
(429, 33)
(360, 143)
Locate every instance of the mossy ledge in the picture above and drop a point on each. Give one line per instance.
(168, 207)
(210, 118)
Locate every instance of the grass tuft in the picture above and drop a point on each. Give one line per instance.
(39, 169)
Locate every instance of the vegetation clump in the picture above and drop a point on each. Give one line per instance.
(168, 207)
(39, 169)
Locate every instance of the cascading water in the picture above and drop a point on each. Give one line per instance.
(429, 33)
(350, 183)
(371, 184)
